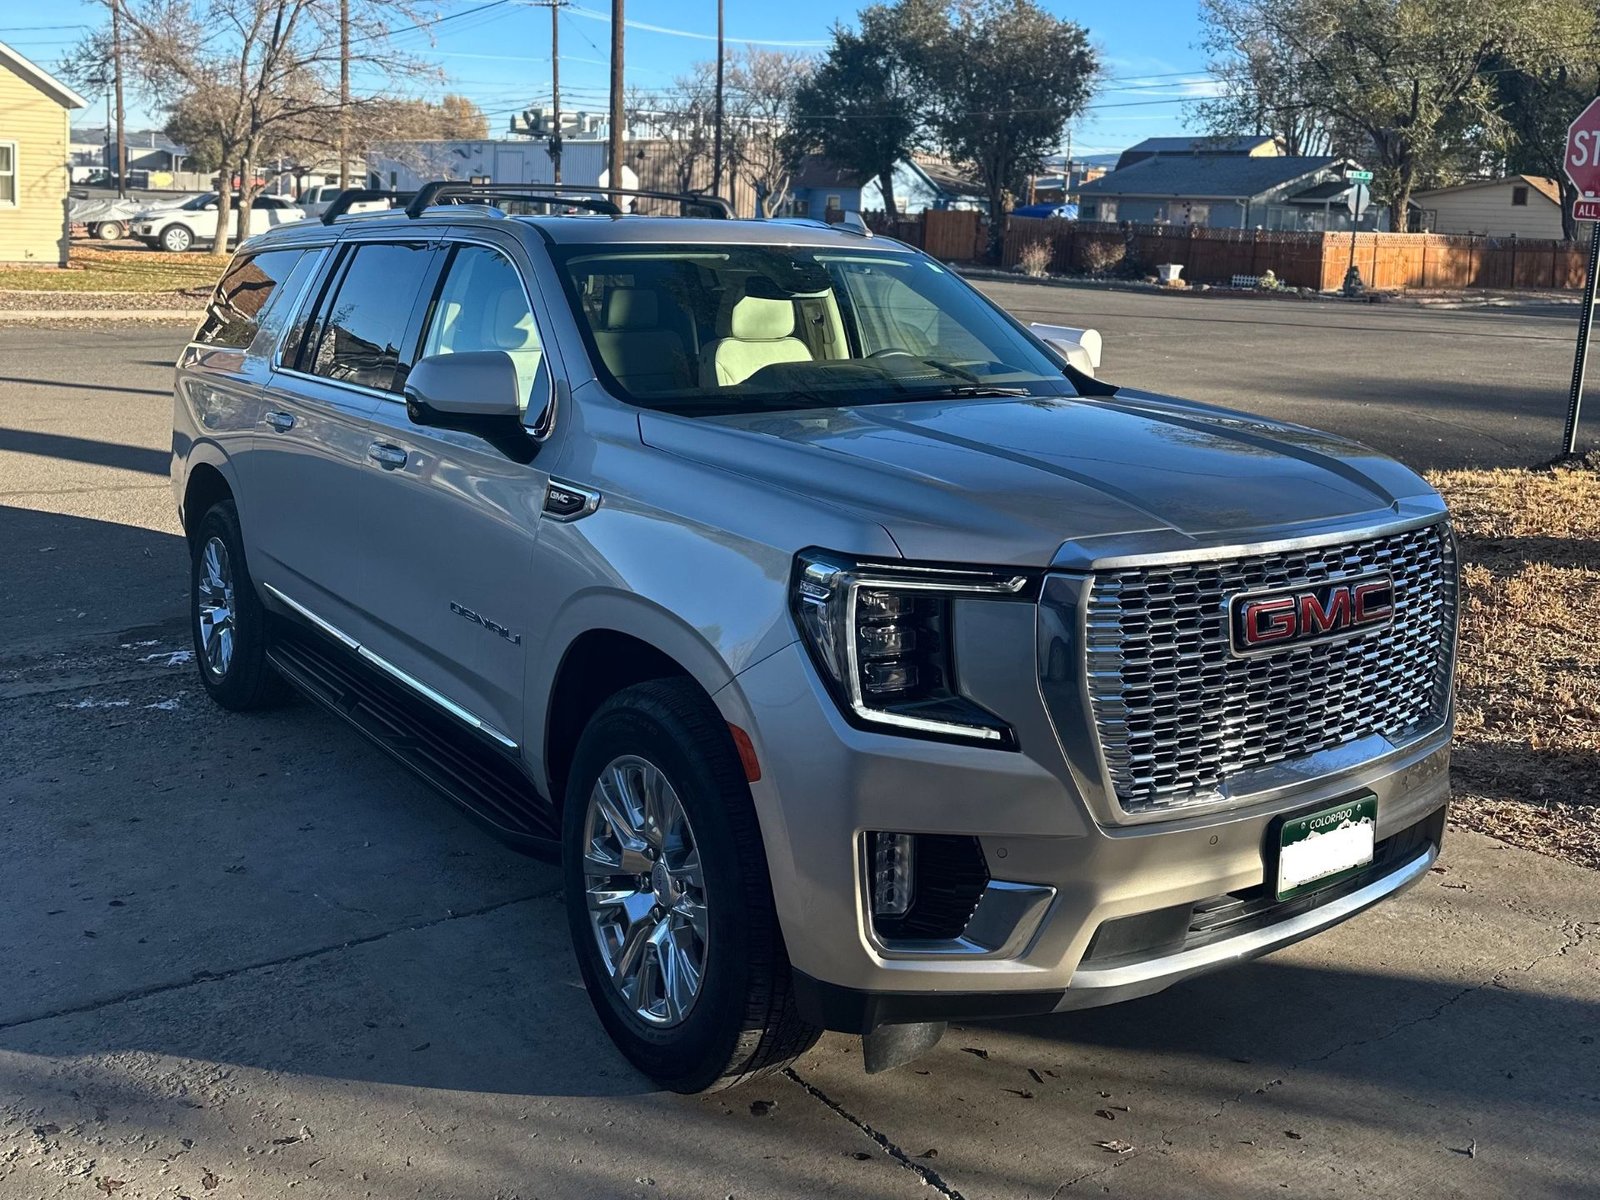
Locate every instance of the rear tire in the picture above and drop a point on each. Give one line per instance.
(712, 906)
(109, 231)
(226, 617)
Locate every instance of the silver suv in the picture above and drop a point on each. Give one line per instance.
(865, 663)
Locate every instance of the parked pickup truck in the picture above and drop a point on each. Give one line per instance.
(865, 661)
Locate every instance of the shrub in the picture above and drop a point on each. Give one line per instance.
(1035, 259)
(1100, 256)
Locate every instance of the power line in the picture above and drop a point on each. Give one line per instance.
(699, 37)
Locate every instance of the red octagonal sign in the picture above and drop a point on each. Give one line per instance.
(1583, 161)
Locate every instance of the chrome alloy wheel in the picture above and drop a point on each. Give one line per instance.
(645, 890)
(214, 605)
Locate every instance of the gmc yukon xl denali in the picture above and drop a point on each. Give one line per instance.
(865, 661)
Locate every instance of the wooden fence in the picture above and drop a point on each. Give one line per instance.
(1314, 260)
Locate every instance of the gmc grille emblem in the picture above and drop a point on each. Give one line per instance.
(1259, 622)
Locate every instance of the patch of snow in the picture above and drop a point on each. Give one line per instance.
(169, 658)
(138, 645)
(93, 703)
(165, 705)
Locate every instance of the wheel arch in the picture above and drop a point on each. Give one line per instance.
(595, 665)
(207, 484)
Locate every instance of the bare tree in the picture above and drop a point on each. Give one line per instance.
(762, 86)
(255, 76)
(682, 120)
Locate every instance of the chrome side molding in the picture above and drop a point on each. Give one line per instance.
(465, 716)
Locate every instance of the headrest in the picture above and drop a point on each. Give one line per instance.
(631, 308)
(757, 319)
(513, 323)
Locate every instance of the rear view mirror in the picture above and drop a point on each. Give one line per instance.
(1079, 348)
(443, 388)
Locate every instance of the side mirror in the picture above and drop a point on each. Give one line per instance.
(1079, 348)
(442, 389)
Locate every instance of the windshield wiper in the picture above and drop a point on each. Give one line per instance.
(964, 390)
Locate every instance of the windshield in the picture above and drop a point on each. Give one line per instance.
(716, 329)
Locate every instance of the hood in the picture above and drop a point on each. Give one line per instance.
(1012, 481)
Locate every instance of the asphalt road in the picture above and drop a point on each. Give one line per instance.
(1433, 387)
(250, 957)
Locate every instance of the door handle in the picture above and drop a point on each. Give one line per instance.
(386, 456)
(281, 421)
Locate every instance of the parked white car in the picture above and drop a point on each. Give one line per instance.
(195, 222)
(315, 201)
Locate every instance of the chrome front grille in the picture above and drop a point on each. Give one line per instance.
(1178, 715)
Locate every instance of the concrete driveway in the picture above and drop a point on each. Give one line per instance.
(249, 957)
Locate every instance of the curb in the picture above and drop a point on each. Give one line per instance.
(191, 316)
(1447, 303)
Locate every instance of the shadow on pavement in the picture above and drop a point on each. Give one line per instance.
(34, 381)
(86, 450)
(72, 577)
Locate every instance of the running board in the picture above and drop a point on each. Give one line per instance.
(468, 768)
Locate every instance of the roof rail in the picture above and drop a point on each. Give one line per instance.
(857, 226)
(578, 195)
(342, 202)
(445, 191)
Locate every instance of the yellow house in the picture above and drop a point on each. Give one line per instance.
(34, 114)
(1524, 206)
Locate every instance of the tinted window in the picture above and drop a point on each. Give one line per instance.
(482, 305)
(364, 321)
(234, 314)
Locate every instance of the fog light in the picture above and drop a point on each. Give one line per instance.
(893, 873)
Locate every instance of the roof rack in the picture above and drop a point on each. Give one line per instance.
(578, 195)
(342, 202)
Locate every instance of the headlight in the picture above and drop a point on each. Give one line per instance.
(883, 639)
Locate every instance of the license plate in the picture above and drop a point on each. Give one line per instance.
(1324, 847)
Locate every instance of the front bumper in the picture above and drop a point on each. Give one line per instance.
(825, 784)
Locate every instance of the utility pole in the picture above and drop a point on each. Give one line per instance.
(116, 68)
(555, 87)
(344, 94)
(716, 136)
(616, 98)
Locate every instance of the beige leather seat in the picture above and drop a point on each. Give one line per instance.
(642, 355)
(512, 330)
(489, 321)
(760, 333)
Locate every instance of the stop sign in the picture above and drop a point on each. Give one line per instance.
(1583, 161)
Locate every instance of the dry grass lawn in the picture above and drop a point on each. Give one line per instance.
(137, 272)
(1527, 758)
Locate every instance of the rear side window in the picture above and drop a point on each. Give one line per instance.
(364, 319)
(234, 314)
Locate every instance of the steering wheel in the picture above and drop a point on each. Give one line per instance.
(889, 351)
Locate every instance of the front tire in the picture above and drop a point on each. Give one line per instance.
(226, 617)
(109, 231)
(175, 239)
(668, 896)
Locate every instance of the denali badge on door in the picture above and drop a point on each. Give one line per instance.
(1269, 620)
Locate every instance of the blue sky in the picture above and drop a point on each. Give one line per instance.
(500, 56)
